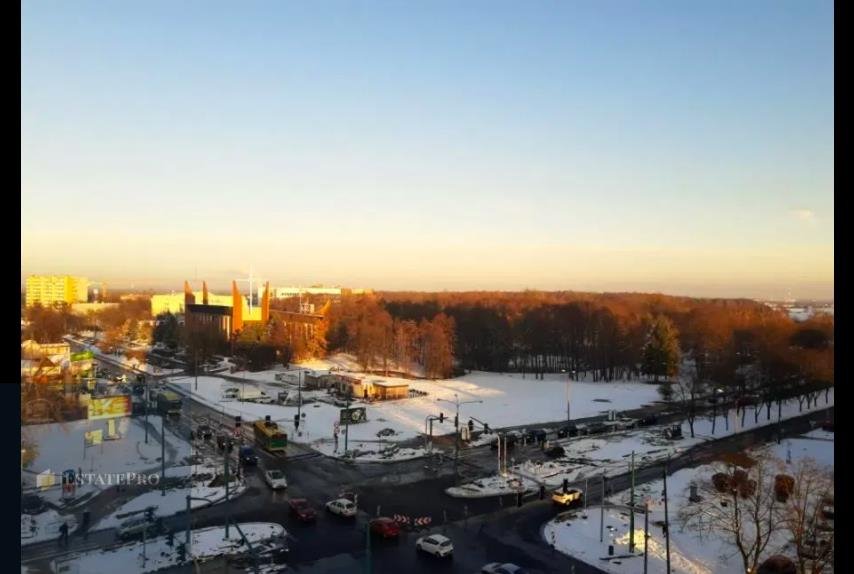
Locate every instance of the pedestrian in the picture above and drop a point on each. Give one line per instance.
(85, 524)
(63, 534)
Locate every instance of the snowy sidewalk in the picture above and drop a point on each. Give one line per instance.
(205, 544)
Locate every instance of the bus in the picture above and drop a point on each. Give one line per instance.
(268, 436)
(169, 403)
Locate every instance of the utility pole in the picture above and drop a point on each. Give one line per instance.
(227, 508)
(645, 535)
(299, 404)
(347, 420)
(632, 509)
(147, 399)
(368, 548)
(162, 454)
(602, 512)
(666, 523)
(456, 402)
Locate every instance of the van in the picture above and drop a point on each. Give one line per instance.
(136, 527)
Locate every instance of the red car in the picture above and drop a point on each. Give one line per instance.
(385, 527)
(302, 509)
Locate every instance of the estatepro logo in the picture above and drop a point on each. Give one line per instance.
(45, 479)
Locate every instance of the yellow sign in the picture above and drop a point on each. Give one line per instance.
(109, 407)
(95, 436)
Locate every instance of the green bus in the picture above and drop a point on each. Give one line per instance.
(169, 403)
(268, 436)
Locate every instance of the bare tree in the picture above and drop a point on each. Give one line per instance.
(687, 392)
(806, 514)
(739, 504)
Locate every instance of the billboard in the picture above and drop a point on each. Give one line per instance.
(109, 407)
(82, 356)
(353, 416)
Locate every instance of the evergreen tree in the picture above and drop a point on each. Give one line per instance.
(661, 352)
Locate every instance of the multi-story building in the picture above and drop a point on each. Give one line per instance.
(49, 290)
(174, 302)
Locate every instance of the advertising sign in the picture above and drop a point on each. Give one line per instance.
(94, 437)
(353, 416)
(109, 407)
(82, 356)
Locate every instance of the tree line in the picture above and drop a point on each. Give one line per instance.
(734, 342)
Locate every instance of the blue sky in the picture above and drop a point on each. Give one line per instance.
(683, 147)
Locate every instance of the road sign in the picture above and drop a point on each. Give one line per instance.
(353, 416)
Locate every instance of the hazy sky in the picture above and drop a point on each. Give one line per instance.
(683, 147)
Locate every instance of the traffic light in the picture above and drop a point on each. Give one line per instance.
(542, 491)
(441, 417)
(565, 485)
(237, 422)
(149, 513)
(456, 421)
(485, 428)
(519, 499)
(182, 552)
(296, 421)
(471, 425)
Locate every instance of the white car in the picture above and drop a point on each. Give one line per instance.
(342, 507)
(275, 478)
(435, 544)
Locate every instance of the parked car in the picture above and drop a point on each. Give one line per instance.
(275, 478)
(301, 508)
(567, 498)
(342, 507)
(506, 568)
(510, 439)
(204, 432)
(648, 421)
(32, 504)
(385, 527)
(435, 544)
(136, 527)
(673, 432)
(248, 456)
(536, 435)
(567, 431)
(555, 452)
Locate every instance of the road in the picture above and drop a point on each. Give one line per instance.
(336, 545)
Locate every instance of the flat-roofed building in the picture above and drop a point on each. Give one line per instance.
(49, 290)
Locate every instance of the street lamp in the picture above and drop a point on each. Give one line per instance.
(456, 402)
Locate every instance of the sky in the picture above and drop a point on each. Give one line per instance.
(677, 147)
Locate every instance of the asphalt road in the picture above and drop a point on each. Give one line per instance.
(332, 544)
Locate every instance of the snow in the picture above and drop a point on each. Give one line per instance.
(175, 500)
(44, 526)
(60, 446)
(505, 400)
(691, 552)
(205, 544)
(610, 453)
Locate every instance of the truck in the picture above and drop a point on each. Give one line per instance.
(247, 393)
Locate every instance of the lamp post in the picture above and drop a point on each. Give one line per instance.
(456, 402)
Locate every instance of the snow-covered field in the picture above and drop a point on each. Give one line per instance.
(691, 552)
(175, 500)
(60, 446)
(204, 544)
(506, 400)
(44, 526)
(610, 454)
